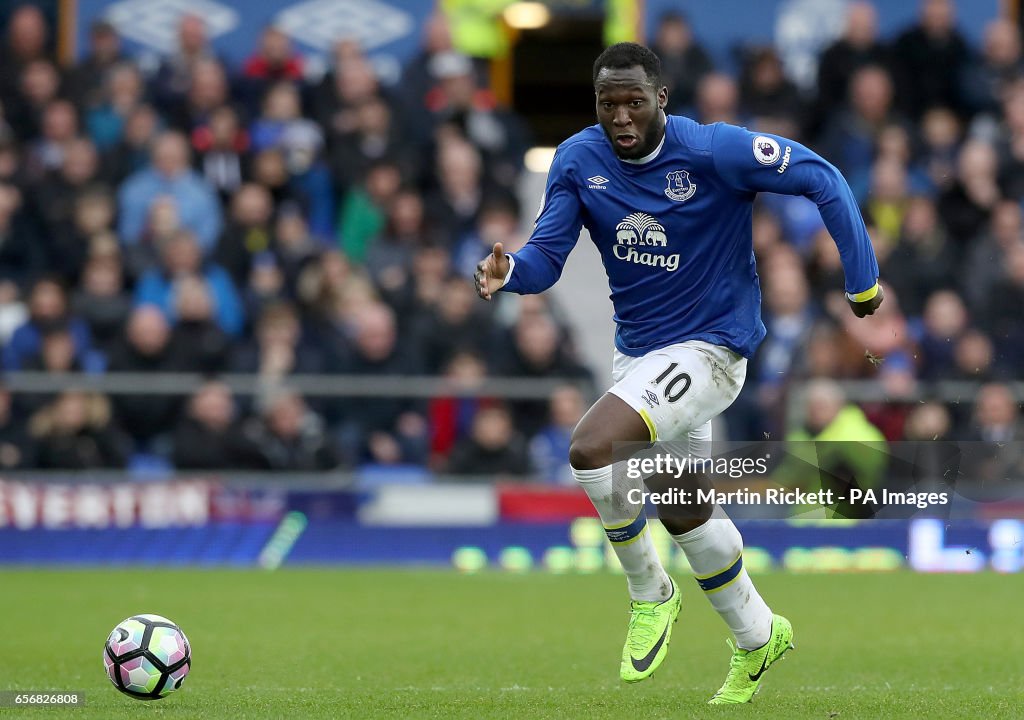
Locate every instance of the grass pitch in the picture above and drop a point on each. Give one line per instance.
(432, 644)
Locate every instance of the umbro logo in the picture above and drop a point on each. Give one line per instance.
(598, 182)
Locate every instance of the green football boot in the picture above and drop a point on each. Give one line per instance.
(650, 628)
(747, 666)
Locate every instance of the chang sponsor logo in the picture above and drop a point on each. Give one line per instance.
(639, 239)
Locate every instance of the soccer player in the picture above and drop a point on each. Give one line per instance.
(668, 203)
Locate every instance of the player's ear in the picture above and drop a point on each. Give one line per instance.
(663, 97)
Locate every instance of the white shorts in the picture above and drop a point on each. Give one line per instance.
(678, 389)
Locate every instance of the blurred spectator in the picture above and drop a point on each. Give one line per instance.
(204, 347)
(940, 136)
(549, 448)
(147, 347)
(450, 417)
(123, 92)
(1009, 141)
(88, 224)
(290, 437)
(174, 76)
(209, 90)
(376, 354)
(858, 47)
(56, 195)
(101, 299)
(881, 336)
(458, 102)
(48, 312)
(718, 99)
(923, 261)
(362, 213)
(131, 154)
(376, 135)
(498, 222)
(1002, 314)
(848, 137)
(789, 317)
(38, 85)
(829, 416)
(996, 415)
(294, 247)
(974, 356)
(28, 39)
(887, 200)
(463, 187)
(1000, 63)
(210, 436)
(274, 60)
(75, 432)
(453, 325)
(929, 421)
(58, 127)
(986, 257)
(931, 57)
(86, 78)
(248, 231)
(945, 321)
(417, 79)
(766, 93)
(56, 354)
(278, 348)
(967, 206)
(351, 83)
(21, 255)
(181, 257)
(300, 141)
(538, 351)
(389, 258)
(266, 285)
(222, 149)
(16, 449)
(683, 61)
(169, 175)
(493, 447)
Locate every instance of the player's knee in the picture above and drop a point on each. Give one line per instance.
(588, 452)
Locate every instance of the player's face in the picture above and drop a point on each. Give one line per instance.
(629, 109)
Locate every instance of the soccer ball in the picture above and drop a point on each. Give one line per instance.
(147, 657)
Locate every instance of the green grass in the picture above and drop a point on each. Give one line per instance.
(429, 644)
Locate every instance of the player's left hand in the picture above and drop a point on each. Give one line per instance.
(867, 307)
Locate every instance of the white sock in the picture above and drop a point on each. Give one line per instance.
(626, 526)
(715, 552)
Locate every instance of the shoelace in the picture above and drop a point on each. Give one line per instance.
(641, 627)
(735, 662)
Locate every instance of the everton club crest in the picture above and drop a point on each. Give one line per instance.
(680, 188)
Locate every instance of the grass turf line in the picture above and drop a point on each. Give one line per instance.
(430, 644)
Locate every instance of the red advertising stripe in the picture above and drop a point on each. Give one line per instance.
(537, 503)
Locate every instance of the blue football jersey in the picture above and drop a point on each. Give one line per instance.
(675, 232)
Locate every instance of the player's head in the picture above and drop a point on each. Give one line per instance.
(630, 99)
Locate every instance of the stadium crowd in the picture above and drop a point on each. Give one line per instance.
(188, 216)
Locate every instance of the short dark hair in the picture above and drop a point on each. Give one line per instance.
(626, 55)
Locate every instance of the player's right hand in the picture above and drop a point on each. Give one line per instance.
(490, 272)
(867, 307)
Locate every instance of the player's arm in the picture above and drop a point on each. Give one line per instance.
(539, 264)
(753, 162)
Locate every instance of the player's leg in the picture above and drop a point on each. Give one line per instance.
(711, 541)
(655, 597)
